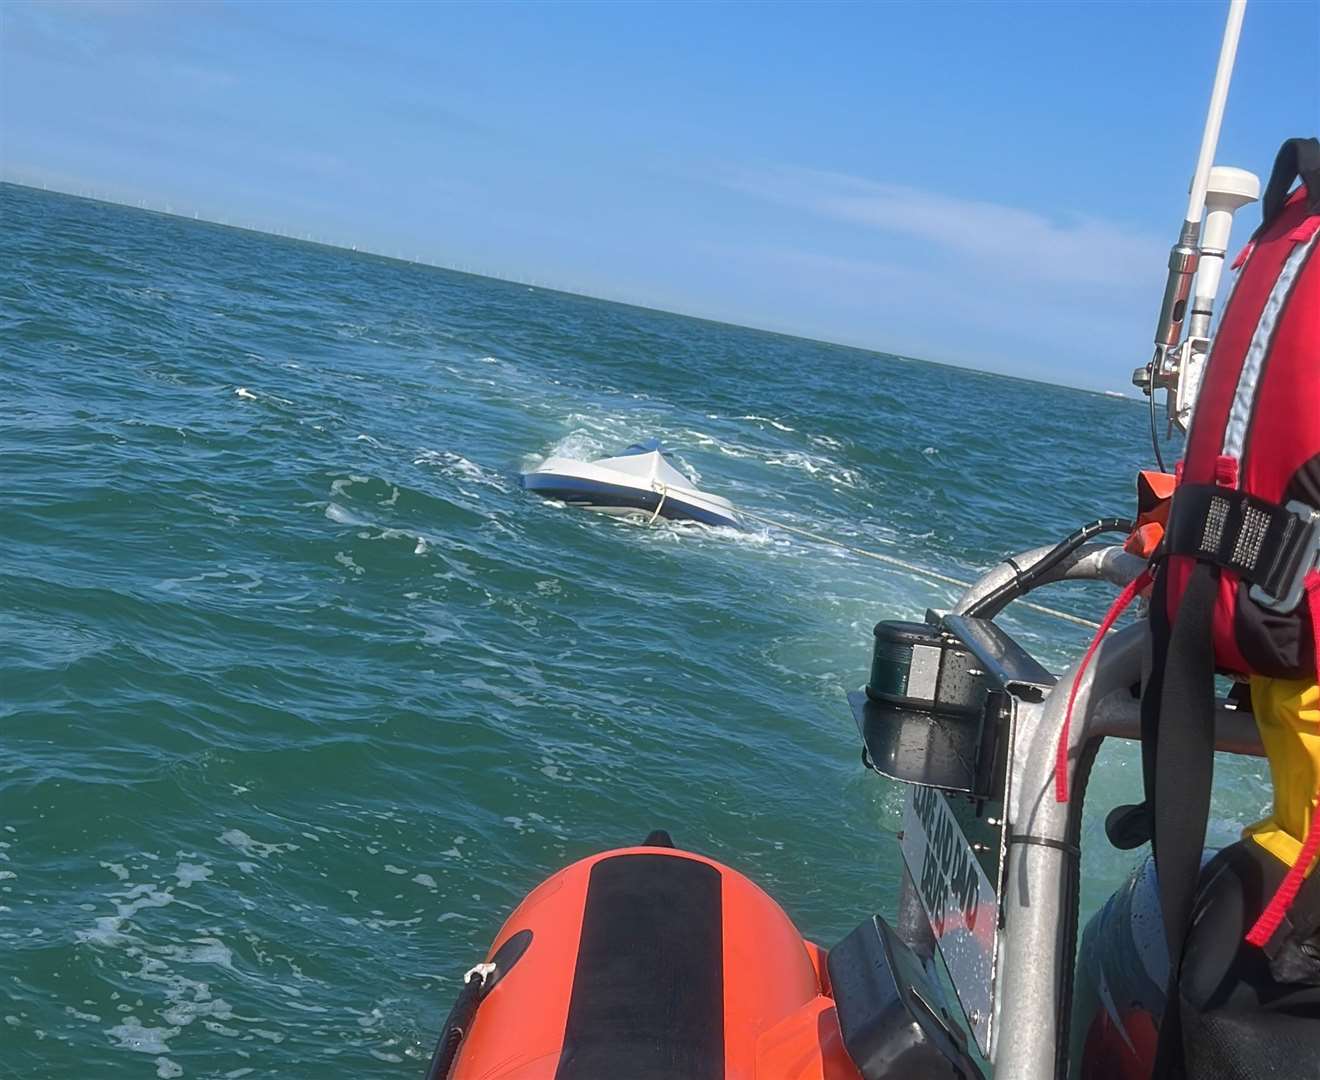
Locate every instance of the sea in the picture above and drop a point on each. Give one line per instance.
(300, 692)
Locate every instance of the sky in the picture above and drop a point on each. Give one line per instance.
(994, 185)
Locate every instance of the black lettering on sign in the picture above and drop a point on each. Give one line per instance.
(932, 890)
(948, 868)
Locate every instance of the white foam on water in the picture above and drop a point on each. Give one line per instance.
(338, 514)
(757, 538)
(105, 932)
(203, 950)
(188, 873)
(686, 467)
(814, 466)
(725, 446)
(241, 841)
(182, 1013)
(341, 486)
(767, 420)
(133, 1035)
(457, 467)
(247, 395)
(425, 880)
(344, 559)
(795, 460)
(167, 1069)
(389, 924)
(578, 445)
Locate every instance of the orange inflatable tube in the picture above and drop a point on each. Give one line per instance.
(650, 963)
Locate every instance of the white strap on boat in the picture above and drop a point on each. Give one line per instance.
(912, 568)
(484, 971)
(663, 488)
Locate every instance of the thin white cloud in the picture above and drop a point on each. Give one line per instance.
(1082, 250)
(1057, 332)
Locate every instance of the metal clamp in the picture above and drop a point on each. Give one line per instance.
(1308, 559)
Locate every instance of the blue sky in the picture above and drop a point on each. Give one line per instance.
(987, 184)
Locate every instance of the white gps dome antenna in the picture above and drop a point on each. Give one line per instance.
(1227, 191)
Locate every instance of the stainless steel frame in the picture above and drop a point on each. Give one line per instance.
(1040, 859)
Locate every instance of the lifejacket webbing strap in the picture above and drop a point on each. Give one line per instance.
(1185, 746)
(1284, 896)
(1130, 592)
(1296, 158)
(1179, 767)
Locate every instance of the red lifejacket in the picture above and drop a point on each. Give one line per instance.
(1237, 586)
(1236, 578)
(1254, 445)
(1235, 581)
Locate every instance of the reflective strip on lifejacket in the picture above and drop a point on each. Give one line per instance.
(1244, 399)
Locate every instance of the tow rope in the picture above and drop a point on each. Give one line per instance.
(911, 568)
(664, 494)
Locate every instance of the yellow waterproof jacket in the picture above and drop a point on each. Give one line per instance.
(1288, 715)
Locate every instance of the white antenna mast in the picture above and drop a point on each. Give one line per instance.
(1165, 369)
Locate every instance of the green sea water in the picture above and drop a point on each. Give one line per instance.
(300, 692)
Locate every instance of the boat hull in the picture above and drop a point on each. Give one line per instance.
(625, 499)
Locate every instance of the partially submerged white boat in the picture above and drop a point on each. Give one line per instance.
(638, 482)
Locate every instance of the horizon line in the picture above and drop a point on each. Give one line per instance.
(309, 240)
